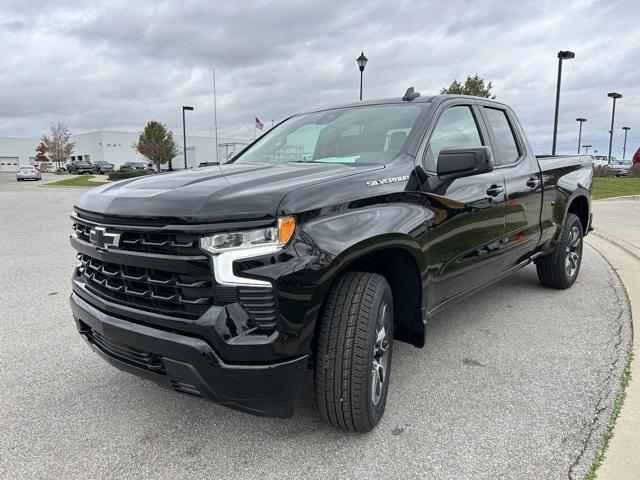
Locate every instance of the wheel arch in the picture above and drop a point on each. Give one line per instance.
(579, 206)
(397, 259)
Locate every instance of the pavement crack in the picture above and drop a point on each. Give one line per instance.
(610, 384)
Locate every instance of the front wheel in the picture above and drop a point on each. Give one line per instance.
(353, 358)
(560, 269)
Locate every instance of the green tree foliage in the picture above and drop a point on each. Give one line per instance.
(472, 86)
(157, 144)
(57, 143)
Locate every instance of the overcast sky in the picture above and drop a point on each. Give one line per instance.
(118, 64)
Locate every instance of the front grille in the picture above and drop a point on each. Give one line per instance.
(162, 291)
(156, 290)
(168, 243)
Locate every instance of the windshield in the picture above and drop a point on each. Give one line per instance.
(615, 161)
(367, 134)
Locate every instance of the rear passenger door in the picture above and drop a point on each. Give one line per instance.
(523, 184)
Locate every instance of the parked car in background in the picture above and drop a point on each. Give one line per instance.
(134, 166)
(600, 160)
(620, 167)
(102, 167)
(79, 167)
(46, 167)
(636, 157)
(28, 173)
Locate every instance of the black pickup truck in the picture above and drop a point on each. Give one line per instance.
(333, 234)
(79, 167)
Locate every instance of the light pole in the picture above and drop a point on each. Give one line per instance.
(184, 134)
(362, 62)
(562, 55)
(615, 96)
(581, 120)
(624, 149)
(586, 148)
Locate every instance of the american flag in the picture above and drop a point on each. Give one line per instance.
(259, 124)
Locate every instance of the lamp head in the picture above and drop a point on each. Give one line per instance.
(566, 55)
(362, 61)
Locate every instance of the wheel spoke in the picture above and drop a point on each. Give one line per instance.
(380, 354)
(575, 240)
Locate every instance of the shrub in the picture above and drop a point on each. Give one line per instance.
(122, 174)
(602, 171)
(634, 171)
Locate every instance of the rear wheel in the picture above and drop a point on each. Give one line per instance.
(353, 359)
(560, 269)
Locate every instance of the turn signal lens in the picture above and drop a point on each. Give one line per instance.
(286, 227)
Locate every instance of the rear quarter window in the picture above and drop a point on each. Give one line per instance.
(505, 148)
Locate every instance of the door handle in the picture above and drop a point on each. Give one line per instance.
(495, 190)
(533, 183)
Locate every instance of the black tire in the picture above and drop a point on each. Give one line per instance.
(561, 268)
(357, 307)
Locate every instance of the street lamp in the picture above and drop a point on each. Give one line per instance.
(362, 61)
(184, 134)
(562, 55)
(615, 96)
(586, 148)
(624, 149)
(581, 120)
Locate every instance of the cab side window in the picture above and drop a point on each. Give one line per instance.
(456, 128)
(505, 149)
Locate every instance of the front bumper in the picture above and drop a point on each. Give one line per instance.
(188, 364)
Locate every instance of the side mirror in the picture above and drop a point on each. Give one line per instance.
(464, 162)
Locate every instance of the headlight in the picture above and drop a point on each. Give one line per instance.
(275, 237)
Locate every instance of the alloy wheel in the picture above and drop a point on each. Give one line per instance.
(380, 363)
(574, 251)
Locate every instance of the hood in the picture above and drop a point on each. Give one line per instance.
(231, 192)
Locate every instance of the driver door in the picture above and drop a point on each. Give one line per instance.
(467, 215)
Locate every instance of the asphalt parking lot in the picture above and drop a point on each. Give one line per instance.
(517, 382)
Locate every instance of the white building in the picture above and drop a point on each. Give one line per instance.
(118, 148)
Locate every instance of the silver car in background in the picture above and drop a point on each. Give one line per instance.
(28, 173)
(620, 167)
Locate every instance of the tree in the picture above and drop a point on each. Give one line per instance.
(57, 144)
(41, 153)
(472, 86)
(157, 144)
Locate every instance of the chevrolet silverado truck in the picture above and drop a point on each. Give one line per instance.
(333, 234)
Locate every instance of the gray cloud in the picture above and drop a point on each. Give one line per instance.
(117, 65)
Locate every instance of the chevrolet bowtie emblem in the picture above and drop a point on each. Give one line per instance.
(99, 237)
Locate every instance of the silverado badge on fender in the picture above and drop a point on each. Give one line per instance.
(384, 181)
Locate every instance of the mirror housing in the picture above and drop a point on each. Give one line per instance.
(463, 162)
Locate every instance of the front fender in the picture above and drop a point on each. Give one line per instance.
(322, 248)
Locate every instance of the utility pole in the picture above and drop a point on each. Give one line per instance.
(615, 96)
(215, 115)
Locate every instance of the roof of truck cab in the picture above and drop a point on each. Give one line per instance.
(398, 100)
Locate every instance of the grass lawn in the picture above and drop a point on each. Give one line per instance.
(615, 187)
(79, 181)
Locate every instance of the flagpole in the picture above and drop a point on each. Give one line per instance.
(215, 114)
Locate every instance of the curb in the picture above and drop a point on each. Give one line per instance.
(622, 455)
(621, 197)
(618, 243)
